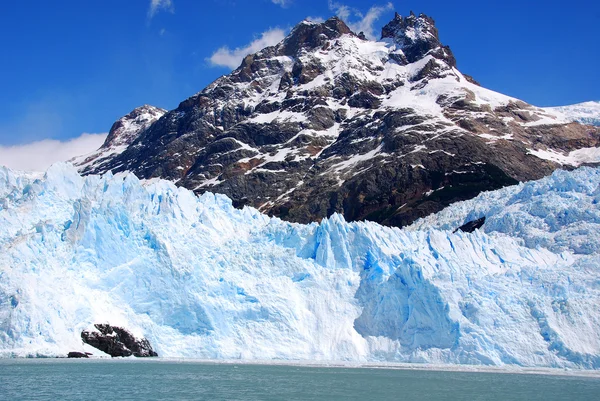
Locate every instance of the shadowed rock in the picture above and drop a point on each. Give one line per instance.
(75, 354)
(472, 225)
(116, 341)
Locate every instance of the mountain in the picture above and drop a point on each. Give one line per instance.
(327, 122)
(585, 113)
(123, 132)
(199, 278)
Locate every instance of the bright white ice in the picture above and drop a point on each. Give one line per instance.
(585, 113)
(202, 279)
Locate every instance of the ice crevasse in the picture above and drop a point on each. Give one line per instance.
(199, 278)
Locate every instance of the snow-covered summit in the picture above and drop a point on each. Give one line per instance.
(416, 37)
(127, 128)
(121, 135)
(202, 279)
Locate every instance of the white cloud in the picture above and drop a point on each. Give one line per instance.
(158, 5)
(365, 22)
(38, 156)
(318, 20)
(226, 57)
(282, 3)
(340, 10)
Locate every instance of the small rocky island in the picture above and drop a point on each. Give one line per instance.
(116, 341)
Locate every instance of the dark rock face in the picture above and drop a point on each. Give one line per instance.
(471, 226)
(416, 37)
(328, 122)
(75, 354)
(116, 341)
(309, 35)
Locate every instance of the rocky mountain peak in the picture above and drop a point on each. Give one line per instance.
(311, 35)
(417, 36)
(128, 127)
(326, 121)
(122, 134)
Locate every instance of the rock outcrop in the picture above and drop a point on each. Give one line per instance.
(78, 355)
(122, 134)
(117, 341)
(471, 226)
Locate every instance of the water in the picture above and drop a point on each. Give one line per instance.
(166, 380)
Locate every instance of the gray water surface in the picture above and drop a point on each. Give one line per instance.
(169, 380)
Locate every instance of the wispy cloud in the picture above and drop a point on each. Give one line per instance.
(357, 21)
(226, 57)
(160, 5)
(366, 23)
(38, 156)
(282, 3)
(340, 10)
(316, 19)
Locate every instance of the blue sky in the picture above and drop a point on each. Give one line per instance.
(72, 66)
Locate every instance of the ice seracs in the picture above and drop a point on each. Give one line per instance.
(200, 278)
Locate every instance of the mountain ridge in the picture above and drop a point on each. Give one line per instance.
(326, 122)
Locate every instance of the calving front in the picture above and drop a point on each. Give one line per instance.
(199, 278)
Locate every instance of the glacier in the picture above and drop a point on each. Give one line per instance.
(584, 113)
(201, 279)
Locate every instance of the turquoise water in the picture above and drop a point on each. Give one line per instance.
(166, 380)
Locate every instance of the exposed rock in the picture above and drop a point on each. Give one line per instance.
(327, 122)
(122, 134)
(75, 354)
(471, 80)
(310, 35)
(364, 100)
(127, 128)
(471, 226)
(116, 341)
(417, 36)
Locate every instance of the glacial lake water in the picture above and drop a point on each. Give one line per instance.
(173, 380)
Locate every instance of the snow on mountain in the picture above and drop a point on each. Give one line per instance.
(326, 121)
(122, 134)
(573, 158)
(585, 113)
(200, 278)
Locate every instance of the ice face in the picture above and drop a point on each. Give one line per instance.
(560, 212)
(202, 279)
